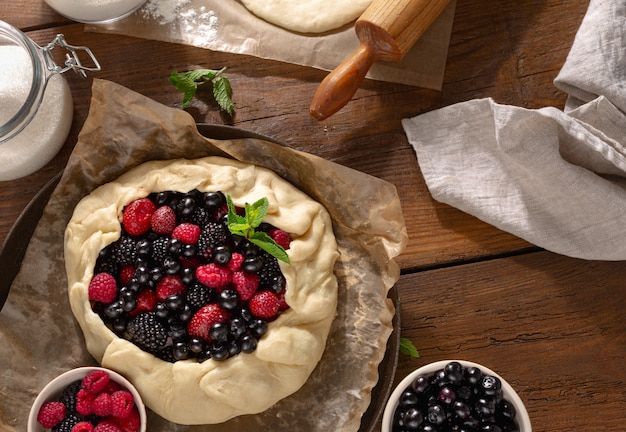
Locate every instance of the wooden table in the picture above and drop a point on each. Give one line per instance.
(552, 325)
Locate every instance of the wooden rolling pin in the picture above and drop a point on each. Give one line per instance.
(387, 30)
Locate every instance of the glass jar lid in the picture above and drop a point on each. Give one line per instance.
(25, 69)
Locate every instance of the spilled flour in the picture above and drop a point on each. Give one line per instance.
(198, 24)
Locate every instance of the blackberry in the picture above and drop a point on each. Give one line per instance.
(158, 249)
(269, 272)
(68, 397)
(104, 262)
(166, 354)
(200, 216)
(147, 331)
(198, 295)
(67, 423)
(124, 251)
(213, 234)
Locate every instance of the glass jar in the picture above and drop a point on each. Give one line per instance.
(36, 106)
(95, 11)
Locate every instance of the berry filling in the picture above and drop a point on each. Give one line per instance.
(455, 398)
(180, 286)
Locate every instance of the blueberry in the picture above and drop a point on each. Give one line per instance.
(436, 414)
(222, 254)
(412, 418)
(258, 327)
(462, 410)
(188, 275)
(171, 265)
(196, 345)
(446, 395)
(229, 299)
(237, 327)
(408, 398)
(485, 407)
(174, 302)
(490, 385)
(175, 246)
(454, 372)
(219, 332)
(185, 313)
(143, 248)
(421, 384)
(161, 310)
(252, 264)
(188, 250)
(181, 351)
(248, 344)
(186, 206)
(219, 352)
(473, 375)
(233, 348)
(213, 200)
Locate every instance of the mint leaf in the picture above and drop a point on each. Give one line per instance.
(407, 347)
(244, 226)
(188, 82)
(268, 244)
(223, 92)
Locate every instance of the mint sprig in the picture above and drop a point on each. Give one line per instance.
(407, 347)
(245, 225)
(187, 83)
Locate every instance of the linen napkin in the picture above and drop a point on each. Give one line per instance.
(555, 178)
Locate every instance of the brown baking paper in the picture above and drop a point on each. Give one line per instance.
(40, 338)
(228, 26)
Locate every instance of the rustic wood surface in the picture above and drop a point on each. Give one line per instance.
(552, 325)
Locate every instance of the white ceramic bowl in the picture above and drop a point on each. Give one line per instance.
(53, 390)
(523, 420)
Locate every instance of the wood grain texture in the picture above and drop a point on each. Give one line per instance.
(553, 326)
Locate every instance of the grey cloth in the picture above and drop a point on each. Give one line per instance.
(554, 178)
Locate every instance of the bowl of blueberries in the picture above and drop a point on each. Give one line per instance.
(455, 395)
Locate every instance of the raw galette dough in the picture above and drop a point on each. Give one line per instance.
(308, 16)
(188, 392)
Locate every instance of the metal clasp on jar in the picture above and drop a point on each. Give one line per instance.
(72, 59)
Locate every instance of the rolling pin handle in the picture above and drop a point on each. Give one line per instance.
(336, 90)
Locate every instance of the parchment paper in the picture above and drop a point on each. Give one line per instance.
(228, 26)
(40, 338)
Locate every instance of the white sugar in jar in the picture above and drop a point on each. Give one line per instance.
(36, 105)
(95, 11)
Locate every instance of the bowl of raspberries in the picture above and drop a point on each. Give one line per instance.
(88, 399)
(455, 395)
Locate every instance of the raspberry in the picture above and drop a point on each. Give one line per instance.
(95, 381)
(131, 422)
(187, 233)
(102, 405)
(200, 324)
(102, 288)
(83, 426)
(282, 238)
(107, 425)
(282, 303)
(50, 414)
(214, 275)
(146, 301)
(84, 402)
(246, 284)
(136, 216)
(111, 387)
(122, 403)
(163, 220)
(264, 304)
(126, 273)
(169, 285)
(235, 261)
